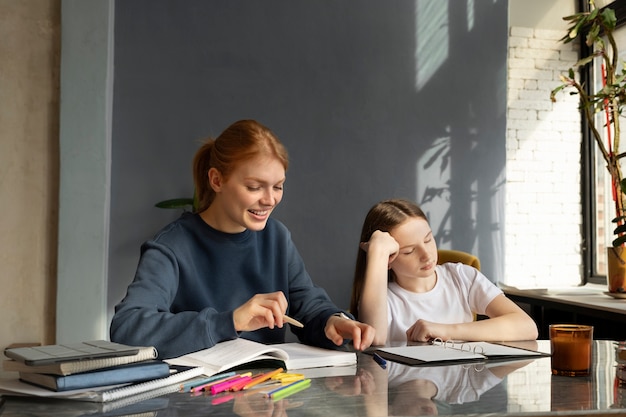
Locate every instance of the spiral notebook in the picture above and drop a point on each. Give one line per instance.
(443, 353)
(142, 390)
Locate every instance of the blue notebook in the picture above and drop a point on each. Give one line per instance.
(135, 372)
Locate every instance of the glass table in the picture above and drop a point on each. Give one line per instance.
(522, 388)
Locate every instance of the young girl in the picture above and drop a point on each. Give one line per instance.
(229, 270)
(401, 291)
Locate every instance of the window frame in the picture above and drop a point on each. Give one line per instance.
(588, 160)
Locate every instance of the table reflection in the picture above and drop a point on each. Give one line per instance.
(401, 390)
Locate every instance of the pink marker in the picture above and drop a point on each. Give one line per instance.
(225, 386)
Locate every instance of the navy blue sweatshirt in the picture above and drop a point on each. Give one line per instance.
(191, 277)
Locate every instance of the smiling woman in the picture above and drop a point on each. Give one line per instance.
(245, 198)
(182, 297)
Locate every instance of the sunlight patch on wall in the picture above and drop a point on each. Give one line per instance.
(432, 39)
(470, 15)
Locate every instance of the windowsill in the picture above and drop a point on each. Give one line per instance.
(590, 296)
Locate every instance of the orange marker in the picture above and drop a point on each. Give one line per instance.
(262, 378)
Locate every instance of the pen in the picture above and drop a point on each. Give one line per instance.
(289, 389)
(289, 320)
(380, 361)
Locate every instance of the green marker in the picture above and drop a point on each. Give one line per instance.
(290, 389)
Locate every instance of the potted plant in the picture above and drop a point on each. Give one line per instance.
(602, 110)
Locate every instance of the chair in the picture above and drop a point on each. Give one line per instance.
(449, 255)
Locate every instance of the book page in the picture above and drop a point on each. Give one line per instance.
(496, 349)
(303, 356)
(431, 353)
(229, 354)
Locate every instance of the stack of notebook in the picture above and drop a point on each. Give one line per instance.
(84, 365)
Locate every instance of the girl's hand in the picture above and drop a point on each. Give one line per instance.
(424, 331)
(383, 243)
(262, 310)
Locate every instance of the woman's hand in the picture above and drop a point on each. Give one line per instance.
(338, 328)
(262, 310)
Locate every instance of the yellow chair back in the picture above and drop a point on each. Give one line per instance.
(449, 255)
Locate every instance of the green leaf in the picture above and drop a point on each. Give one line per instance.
(619, 241)
(620, 229)
(609, 19)
(176, 203)
(592, 35)
(583, 61)
(555, 92)
(574, 16)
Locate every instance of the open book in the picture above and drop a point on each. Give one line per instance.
(440, 353)
(242, 352)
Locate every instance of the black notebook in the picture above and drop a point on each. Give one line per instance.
(440, 353)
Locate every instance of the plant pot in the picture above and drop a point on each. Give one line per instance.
(617, 269)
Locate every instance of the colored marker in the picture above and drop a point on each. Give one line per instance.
(287, 378)
(206, 386)
(274, 391)
(262, 378)
(226, 385)
(290, 389)
(238, 386)
(188, 386)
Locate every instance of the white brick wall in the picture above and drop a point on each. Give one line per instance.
(543, 201)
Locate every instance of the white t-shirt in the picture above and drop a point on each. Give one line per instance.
(460, 291)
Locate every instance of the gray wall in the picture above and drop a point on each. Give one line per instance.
(373, 100)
